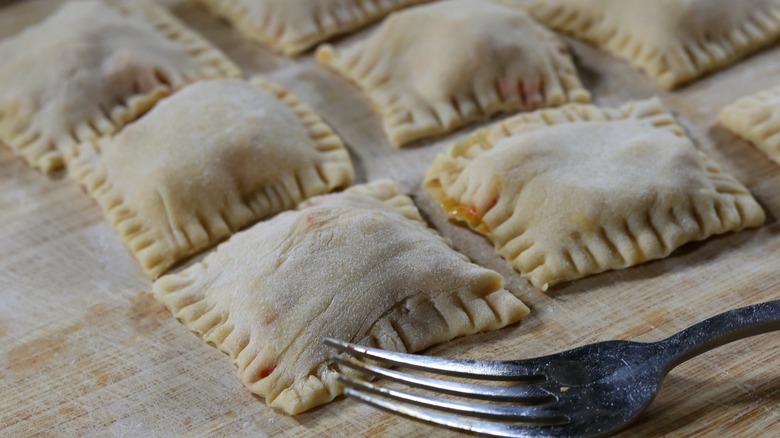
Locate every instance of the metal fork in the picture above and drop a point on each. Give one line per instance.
(592, 390)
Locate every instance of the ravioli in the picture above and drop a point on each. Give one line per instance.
(359, 266)
(756, 118)
(433, 68)
(89, 69)
(574, 191)
(673, 41)
(292, 27)
(207, 161)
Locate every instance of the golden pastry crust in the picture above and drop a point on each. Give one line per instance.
(569, 192)
(89, 69)
(207, 161)
(433, 68)
(673, 41)
(756, 118)
(292, 27)
(360, 266)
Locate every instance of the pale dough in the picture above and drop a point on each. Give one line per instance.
(569, 192)
(433, 68)
(673, 41)
(756, 118)
(207, 161)
(360, 266)
(89, 69)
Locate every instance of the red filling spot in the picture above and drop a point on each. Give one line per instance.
(265, 372)
(473, 210)
(493, 203)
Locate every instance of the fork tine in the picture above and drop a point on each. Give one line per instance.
(523, 393)
(457, 421)
(483, 369)
(529, 414)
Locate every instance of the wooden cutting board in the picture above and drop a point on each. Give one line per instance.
(86, 350)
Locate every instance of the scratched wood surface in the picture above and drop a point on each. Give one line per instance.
(85, 350)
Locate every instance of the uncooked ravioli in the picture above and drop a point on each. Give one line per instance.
(569, 192)
(89, 69)
(673, 41)
(360, 266)
(433, 68)
(206, 162)
(756, 118)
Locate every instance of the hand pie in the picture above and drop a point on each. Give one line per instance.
(207, 161)
(431, 69)
(292, 27)
(579, 190)
(756, 118)
(89, 69)
(673, 41)
(359, 266)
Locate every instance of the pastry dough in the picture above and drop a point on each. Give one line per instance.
(359, 266)
(89, 69)
(293, 26)
(756, 118)
(433, 68)
(207, 161)
(570, 192)
(673, 41)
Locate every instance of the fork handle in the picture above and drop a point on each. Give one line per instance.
(720, 330)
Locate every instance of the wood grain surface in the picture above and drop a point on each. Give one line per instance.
(85, 350)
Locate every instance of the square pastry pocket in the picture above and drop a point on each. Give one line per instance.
(89, 69)
(294, 26)
(207, 161)
(360, 266)
(673, 41)
(433, 68)
(756, 118)
(574, 191)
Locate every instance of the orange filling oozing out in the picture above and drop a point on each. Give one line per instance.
(469, 214)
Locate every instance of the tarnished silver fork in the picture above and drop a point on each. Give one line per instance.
(592, 390)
